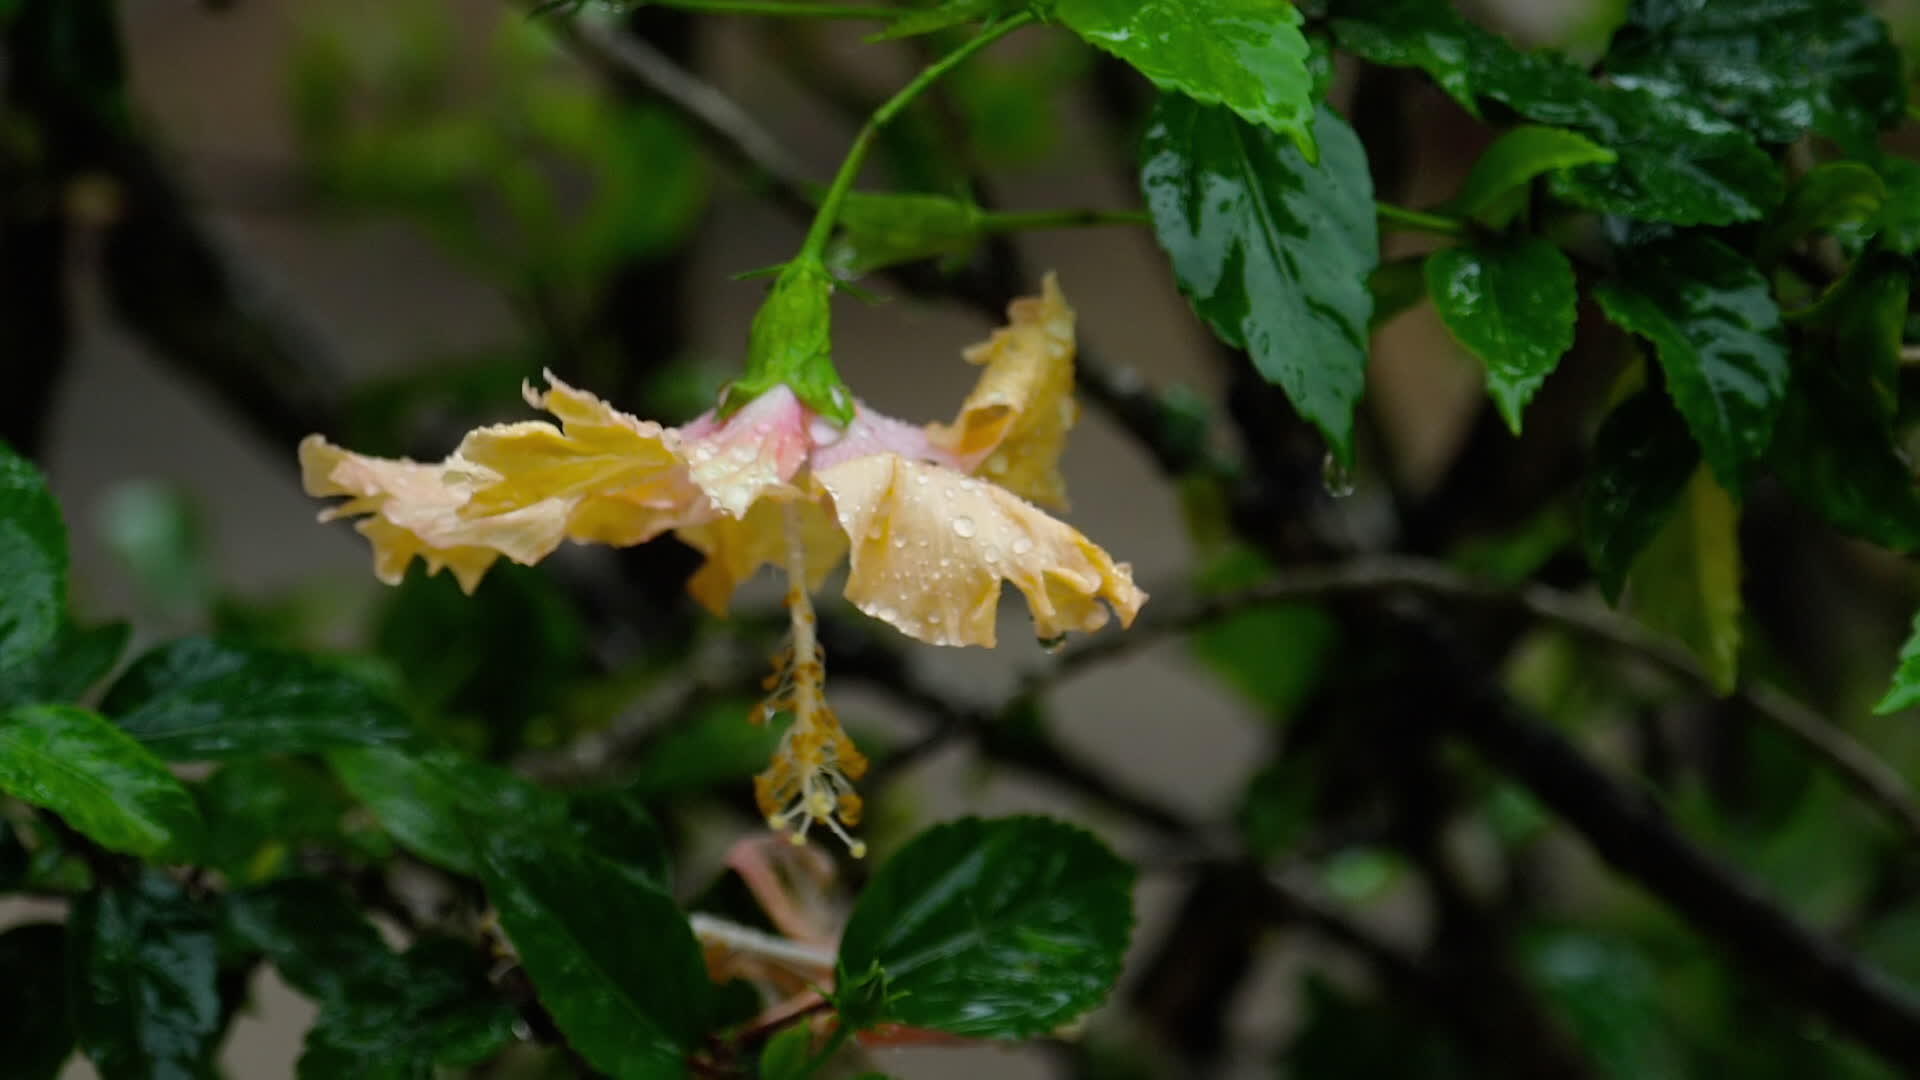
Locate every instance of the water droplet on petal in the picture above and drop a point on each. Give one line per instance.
(963, 527)
(899, 543)
(922, 479)
(744, 454)
(823, 432)
(1022, 545)
(1336, 478)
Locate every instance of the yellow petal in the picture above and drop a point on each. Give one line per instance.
(598, 451)
(931, 546)
(417, 512)
(736, 548)
(1013, 427)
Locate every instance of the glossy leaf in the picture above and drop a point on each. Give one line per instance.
(1834, 446)
(999, 928)
(1716, 331)
(614, 961)
(142, 980)
(1496, 190)
(77, 764)
(202, 698)
(424, 798)
(878, 231)
(67, 667)
(383, 1014)
(33, 560)
(34, 1027)
(1273, 252)
(1778, 69)
(1675, 161)
(1512, 305)
(1246, 55)
(1642, 460)
(1831, 194)
(1687, 580)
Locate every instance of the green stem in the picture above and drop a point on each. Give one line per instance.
(841, 1032)
(816, 243)
(993, 221)
(788, 9)
(1417, 221)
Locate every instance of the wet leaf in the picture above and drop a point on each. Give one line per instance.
(67, 667)
(199, 698)
(142, 981)
(1642, 460)
(1686, 581)
(1716, 332)
(1905, 691)
(1246, 55)
(1512, 305)
(33, 560)
(79, 765)
(1274, 253)
(999, 928)
(1496, 190)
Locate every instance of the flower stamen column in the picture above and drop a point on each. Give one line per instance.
(811, 779)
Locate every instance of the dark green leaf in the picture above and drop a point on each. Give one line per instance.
(616, 825)
(142, 981)
(66, 667)
(77, 764)
(1675, 161)
(202, 698)
(878, 231)
(614, 961)
(423, 799)
(1686, 581)
(33, 560)
(787, 1054)
(1511, 304)
(1276, 810)
(260, 813)
(315, 935)
(1834, 445)
(34, 1027)
(1004, 928)
(1716, 331)
(1642, 459)
(1905, 691)
(1777, 68)
(1273, 252)
(1496, 190)
(1247, 55)
(1830, 195)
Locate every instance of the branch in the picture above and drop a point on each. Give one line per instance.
(1630, 831)
(1871, 779)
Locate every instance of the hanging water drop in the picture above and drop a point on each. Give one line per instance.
(1335, 477)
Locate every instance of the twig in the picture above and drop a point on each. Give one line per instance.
(1870, 778)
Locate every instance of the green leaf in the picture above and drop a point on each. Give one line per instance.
(66, 667)
(1396, 285)
(199, 698)
(261, 812)
(713, 746)
(1830, 195)
(1496, 190)
(33, 1019)
(1834, 446)
(1642, 460)
(1675, 161)
(382, 1014)
(424, 799)
(617, 826)
(1273, 252)
(1777, 69)
(77, 764)
(1247, 55)
(1000, 928)
(1905, 691)
(878, 231)
(787, 1054)
(1512, 304)
(33, 560)
(1716, 331)
(142, 981)
(614, 962)
(1687, 580)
